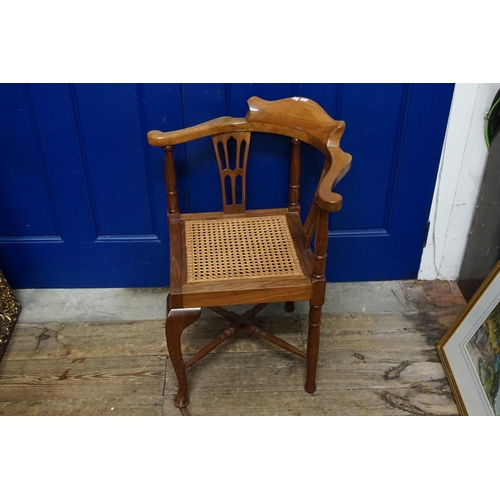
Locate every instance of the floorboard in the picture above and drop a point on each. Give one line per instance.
(81, 378)
(381, 362)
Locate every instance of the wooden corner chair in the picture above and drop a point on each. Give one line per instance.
(241, 256)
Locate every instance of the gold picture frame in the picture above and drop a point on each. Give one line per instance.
(9, 313)
(470, 351)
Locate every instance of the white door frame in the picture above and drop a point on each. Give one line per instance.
(459, 178)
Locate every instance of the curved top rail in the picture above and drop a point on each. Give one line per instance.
(306, 116)
(296, 117)
(216, 126)
(300, 113)
(226, 124)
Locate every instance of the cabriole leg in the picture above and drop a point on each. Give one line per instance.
(177, 321)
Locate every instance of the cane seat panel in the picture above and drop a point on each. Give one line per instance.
(240, 248)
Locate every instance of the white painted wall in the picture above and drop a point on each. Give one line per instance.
(459, 178)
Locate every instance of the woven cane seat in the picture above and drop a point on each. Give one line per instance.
(247, 255)
(240, 248)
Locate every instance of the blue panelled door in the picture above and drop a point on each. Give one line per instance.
(82, 195)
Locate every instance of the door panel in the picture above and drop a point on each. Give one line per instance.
(375, 116)
(108, 201)
(392, 250)
(114, 159)
(24, 170)
(82, 194)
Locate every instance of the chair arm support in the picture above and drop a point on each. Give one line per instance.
(340, 163)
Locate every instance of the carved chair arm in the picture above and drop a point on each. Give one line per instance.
(340, 163)
(308, 119)
(211, 127)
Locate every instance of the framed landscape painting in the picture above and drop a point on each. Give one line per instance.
(470, 351)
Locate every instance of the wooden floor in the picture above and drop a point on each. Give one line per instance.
(370, 364)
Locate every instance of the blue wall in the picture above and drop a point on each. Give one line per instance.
(82, 195)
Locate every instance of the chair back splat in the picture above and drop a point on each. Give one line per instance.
(232, 173)
(241, 256)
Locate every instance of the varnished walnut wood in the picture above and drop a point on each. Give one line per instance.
(310, 223)
(298, 112)
(239, 171)
(317, 299)
(299, 118)
(236, 321)
(171, 182)
(227, 333)
(177, 321)
(243, 322)
(320, 245)
(312, 347)
(200, 243)
(338, 165)
(222, 215)
(294, 186)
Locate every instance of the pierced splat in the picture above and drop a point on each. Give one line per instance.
(232, 173)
